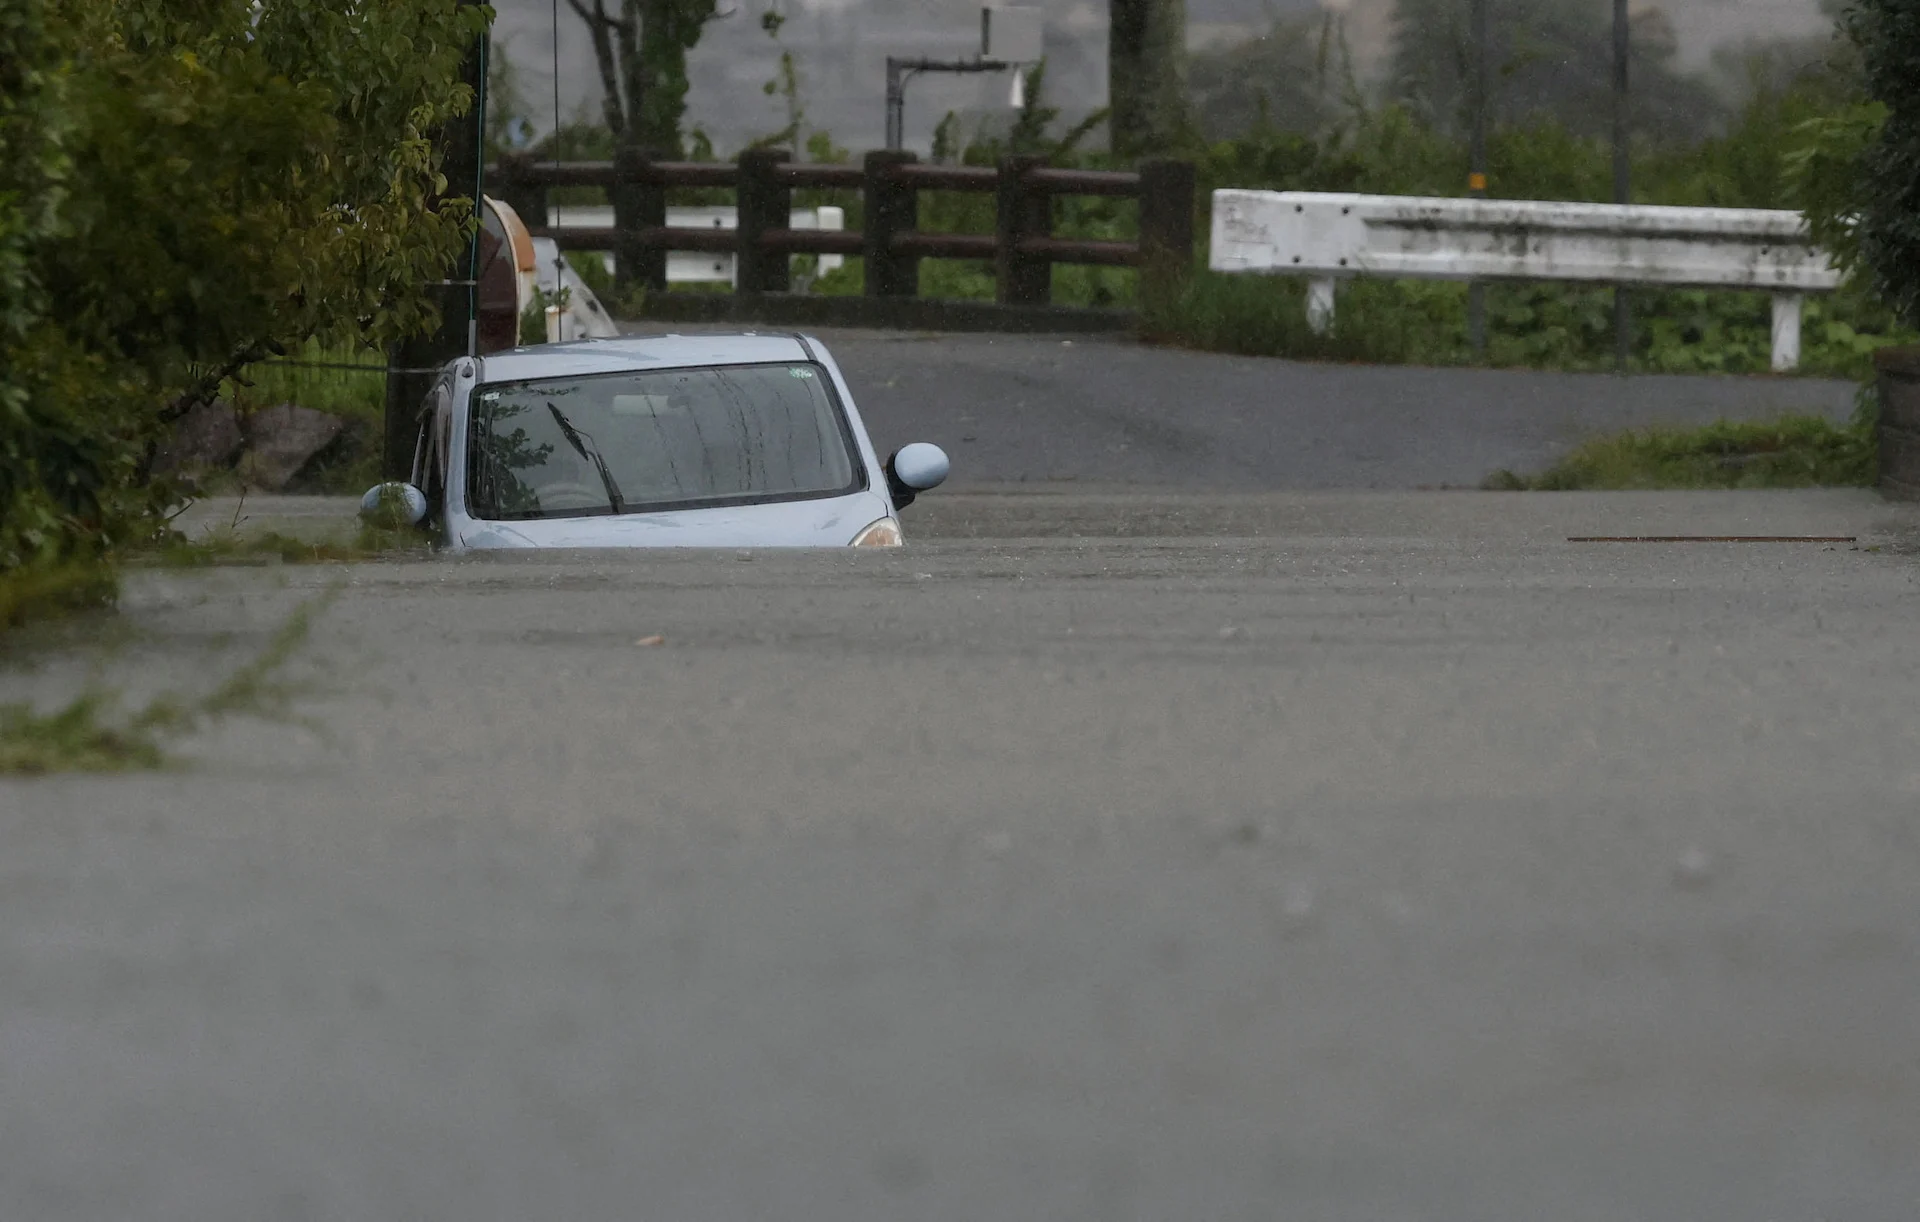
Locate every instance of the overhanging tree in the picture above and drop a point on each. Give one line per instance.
(1887, 34)
(234, 178)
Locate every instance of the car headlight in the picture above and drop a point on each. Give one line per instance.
(884, 533)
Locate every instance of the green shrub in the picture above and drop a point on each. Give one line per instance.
(1792, 452)
(1887, 34)
(208, 185)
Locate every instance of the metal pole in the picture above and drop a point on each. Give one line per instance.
(1477, 175)
(1622, 183)
(898, 70)
(896, 104)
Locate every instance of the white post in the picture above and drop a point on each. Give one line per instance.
(1320, 298)
(1786, 331)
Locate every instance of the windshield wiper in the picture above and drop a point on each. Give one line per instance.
(579, 442)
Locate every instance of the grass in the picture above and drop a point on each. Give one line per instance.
(90, 734)
(231, 547)
(1529, 326)
(74, 739)
(1267, 316)
(347, 382)
(42, 592)
(1790, 452)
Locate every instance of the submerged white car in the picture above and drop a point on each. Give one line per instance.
(747, 440)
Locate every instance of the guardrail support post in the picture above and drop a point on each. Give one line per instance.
(1021, 212)
(1321, 293)
(1166, 231)
(1786, 331)
(892, 207)
(639, 203)
(762, 204)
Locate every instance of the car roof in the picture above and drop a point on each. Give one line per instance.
(637, 352)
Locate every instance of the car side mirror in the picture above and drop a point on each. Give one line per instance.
(394, 506)
(914, 469)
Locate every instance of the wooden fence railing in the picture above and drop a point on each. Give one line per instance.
(1023, 246)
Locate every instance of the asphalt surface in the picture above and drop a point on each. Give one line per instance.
(1313, 856)
(1106, 410)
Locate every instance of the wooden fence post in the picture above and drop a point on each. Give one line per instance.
(1166, 232)
(1021, 212)
(892, 207)
(639, 203)
(528, 199)
(762, 204)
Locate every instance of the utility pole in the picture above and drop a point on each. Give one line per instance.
(1477, 172)
(412, 362)
(1622, 183)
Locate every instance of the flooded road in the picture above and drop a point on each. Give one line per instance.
(1322, 856)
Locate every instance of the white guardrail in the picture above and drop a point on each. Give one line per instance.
(694, 267)
(1329, 237)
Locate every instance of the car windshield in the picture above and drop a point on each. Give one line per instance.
(677, 438)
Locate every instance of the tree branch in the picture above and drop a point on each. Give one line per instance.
(601, 27)
(207, 384)
(633, 68)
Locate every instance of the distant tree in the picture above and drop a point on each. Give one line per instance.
(1551, 59)
(1147, 76)
(1295, 77)
(641, 50)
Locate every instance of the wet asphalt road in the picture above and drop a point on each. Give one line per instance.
(1321, 856)
(1105, 410)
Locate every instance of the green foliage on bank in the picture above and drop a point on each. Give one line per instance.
(1791, 452)
(1530, 326)
(1887, 195)
(186, 192)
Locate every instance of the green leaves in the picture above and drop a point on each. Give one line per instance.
(1884, 144)
(204, 181)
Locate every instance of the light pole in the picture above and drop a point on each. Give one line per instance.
(900, 71)
(1622, 184)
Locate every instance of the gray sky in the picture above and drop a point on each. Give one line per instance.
(841, 47)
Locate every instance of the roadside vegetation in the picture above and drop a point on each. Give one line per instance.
(185, 195)
(95, 732)
(1790, 452)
